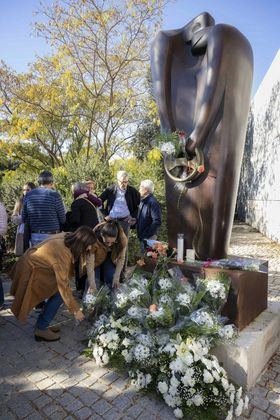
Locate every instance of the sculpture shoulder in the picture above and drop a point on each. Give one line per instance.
(228, 34)
(165, 37)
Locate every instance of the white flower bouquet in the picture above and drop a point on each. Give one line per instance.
(97, 303)
(161, 331)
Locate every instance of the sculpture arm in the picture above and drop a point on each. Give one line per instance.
(161, 58)
(214, 89)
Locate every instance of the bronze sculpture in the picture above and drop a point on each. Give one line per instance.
(202, 76)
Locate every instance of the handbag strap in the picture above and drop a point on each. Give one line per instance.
(84, 198)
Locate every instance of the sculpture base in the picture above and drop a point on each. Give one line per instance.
(245, 360)
(248, 292)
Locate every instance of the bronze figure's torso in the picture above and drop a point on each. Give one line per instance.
(202, 76)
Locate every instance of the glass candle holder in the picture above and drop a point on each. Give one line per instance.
(190, 254)
(180, 247)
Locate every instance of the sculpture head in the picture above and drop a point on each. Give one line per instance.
(199, 23)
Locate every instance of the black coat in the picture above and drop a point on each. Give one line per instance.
(132, 198)
(149, 217)
(82, 213)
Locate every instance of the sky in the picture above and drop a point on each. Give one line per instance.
(258, 20)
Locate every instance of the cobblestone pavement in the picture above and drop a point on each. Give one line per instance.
(56, 381)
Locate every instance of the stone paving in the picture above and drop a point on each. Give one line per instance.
(56, 381)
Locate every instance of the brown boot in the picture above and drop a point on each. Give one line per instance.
(54, 329)
(45, 335)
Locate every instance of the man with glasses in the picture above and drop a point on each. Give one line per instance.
(120, 202)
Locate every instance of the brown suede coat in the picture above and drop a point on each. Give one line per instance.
(42, 271)
(100, 250)
(47, 268)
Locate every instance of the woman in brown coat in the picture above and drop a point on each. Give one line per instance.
(44, 272)
(107, 257)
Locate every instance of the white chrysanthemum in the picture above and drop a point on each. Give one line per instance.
(239, 394)
(225, 383)
(167, 148)
(227, 332)
(121, 300)
(141, 352)
(89, 299)
(178, 413)
(216, 375)
(188, 380)
(134, 312)
(173, 390)
(216, 289)
(215, 391)
(172, 401)
(143, 281)
(239, 408)
(134, 294)
(177, 365)
(97, 351)
(199, 348)
(202, 318)
(207, 362)
(141, 381)
(197, 400)
(169, 348)
(165, 299)
(184, 299)
(148, 379)
(105, 358)
(144, 339)
(162, 387)
(174, 381)
(230, 414)
(128, 356)
(165, 284)
(126, 342)
(207, 377)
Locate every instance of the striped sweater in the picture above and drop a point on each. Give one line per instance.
(3, 220)
(43, 209)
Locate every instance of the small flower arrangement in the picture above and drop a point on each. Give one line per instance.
(180, 166)
(97, 302)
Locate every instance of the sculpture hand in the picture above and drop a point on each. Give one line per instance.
(190, 147)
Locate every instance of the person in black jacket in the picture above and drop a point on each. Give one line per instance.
(149, 213)
(120, 203)
(83, 213)
(84, 207)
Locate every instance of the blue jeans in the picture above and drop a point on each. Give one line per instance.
(49, 312)
(1, 293)
(104, 273)
(37, 238)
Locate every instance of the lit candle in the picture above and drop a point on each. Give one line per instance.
(180, 247)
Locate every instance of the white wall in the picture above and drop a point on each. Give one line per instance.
(259, 191)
